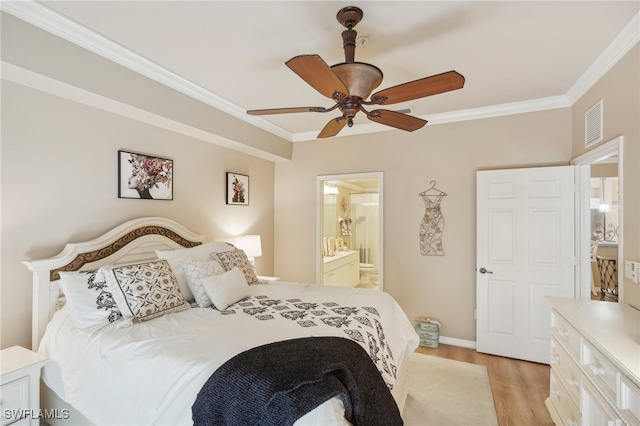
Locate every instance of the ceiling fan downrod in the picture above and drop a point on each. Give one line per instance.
(349, 17)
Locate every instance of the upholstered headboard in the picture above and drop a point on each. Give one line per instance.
(132, 241)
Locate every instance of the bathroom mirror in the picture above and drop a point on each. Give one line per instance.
(349, 213)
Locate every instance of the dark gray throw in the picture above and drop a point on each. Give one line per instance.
(278, 383)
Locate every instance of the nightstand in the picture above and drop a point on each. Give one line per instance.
(20, 385)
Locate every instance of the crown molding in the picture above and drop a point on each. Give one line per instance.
(73, 93)
(61, 26)
(533, 105)
(621, 44)
(57, 24)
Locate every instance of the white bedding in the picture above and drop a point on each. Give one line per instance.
(151, 372)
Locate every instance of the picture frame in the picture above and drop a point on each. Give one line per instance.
(237, 189)
(146, 177)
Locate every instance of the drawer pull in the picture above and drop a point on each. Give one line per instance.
(554, 357)
(596, 370)
(564, 333)
(555, 394)
(571, 422)
(574, 383)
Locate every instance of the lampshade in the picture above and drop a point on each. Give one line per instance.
(251, 245)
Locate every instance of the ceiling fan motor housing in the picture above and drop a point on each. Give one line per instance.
(359, 77)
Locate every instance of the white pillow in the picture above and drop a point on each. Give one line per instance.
(226, 289)
(194, 272)
(200, 252)
(88, 296)
(145, 290)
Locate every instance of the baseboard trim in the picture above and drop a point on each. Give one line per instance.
(458, 342)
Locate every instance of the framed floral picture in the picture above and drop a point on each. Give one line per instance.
(144, 176)
(237, 189)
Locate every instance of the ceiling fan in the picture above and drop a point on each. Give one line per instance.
(350, 83)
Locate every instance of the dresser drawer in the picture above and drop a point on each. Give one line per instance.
(566, 411)
(566, 335)
(629, 400)
(566, 369)
(600, 370)
(594, 408)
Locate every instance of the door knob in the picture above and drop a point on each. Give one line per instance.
(484, 270)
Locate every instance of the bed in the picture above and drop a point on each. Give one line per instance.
(150, 368)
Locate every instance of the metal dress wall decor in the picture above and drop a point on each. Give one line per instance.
(432, 225)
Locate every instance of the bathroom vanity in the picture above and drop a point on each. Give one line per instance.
(341, 269)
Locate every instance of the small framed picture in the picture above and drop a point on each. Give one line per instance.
(144, 176)
(237, 189)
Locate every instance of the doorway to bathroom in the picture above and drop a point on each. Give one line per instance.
(349, 229)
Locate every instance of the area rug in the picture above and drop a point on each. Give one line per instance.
(445, 392)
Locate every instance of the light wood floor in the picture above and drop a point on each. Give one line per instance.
(519, 387)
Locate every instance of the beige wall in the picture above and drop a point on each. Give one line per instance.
(450, 154)
(59, 184)
(59, 162)
(619, 90)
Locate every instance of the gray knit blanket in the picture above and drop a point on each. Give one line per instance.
(277, 383)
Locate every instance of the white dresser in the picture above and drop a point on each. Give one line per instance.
(595, 363)
(342, 270)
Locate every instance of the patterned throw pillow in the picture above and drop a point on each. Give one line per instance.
(195, 271)
(237, 259)
(89, 298)
(200, 252)
(144, 291)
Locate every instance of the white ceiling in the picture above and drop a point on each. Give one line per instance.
(513, 54)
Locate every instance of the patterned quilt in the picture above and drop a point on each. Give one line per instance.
(359, 323)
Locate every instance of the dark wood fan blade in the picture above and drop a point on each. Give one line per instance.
(316, 72)
(396, 119)
(333, 127)
(427, 86)
(283, 110)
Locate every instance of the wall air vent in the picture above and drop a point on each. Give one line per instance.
(405, 110)
(593, 125)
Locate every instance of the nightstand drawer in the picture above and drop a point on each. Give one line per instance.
(14, 397)
(20, 385)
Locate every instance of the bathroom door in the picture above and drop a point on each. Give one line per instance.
(525, 252)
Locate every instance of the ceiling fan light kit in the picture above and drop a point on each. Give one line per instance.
(350, 83)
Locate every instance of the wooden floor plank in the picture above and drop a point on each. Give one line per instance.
(519, 387)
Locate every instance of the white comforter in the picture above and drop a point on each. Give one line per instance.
(151, 372)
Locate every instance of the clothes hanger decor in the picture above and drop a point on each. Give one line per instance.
(432, 226)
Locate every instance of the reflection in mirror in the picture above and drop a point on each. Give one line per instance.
(595, 199)
(350, 231)
(604, 213)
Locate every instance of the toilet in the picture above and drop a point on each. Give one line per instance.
(368, 273)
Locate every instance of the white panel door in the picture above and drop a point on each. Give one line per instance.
(525, 252)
